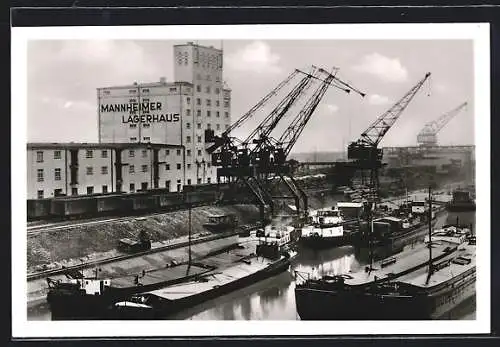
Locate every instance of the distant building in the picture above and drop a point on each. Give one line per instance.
(172, 112)
(58, 169)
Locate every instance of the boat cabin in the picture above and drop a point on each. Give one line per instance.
(419, 207)
(350, 210)
(273, 240)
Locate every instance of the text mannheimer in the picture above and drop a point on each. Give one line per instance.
(145, 108)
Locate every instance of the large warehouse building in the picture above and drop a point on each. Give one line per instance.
(151, 135)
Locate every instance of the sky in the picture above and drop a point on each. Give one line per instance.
(63, 76)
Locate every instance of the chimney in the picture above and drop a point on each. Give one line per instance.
(163, 80)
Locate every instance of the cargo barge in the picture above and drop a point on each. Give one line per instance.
(272, 257)
(409, 286)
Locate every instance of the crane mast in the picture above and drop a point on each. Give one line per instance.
(365, 151)
(428, 135)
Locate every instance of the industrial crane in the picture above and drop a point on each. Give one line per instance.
(275, 152)
(428, 135)
(365, 151)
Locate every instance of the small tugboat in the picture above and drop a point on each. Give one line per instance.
(271, 258)
(422, 282)
(329, 228)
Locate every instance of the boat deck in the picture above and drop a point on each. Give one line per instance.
(160, 275)
(412, 257)
(217, 278)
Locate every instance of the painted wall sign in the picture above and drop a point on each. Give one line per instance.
(150, 118)
(132, 107)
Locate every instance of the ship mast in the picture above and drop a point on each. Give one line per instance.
(430, 237)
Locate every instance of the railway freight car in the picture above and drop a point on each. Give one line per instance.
(74, 207)
(38, 209)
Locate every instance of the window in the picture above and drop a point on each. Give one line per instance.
(189, 181)
(199, 152)
(198, 113)
(131, 153)
(39, 175)
(104, 154)
(57, 174)
(226, 114)
(167, 167)
(188, 112)
(90, 190)
(146, 138)
(178, 152)
(199, 180)
(90, 170)
(207, 89)
(167, 185)
(104, 170)
(89, 154)
(39, 194)
(208, 113)
(199, 139)
(226, 126)
(167, 152)
(132, 91)
(146, 125)
(144, 168)
(208, 179)
(198, 88)
(74, 191)
(173, 89)
(144, 185)
(208, 164)
(39, 156)
(188, 100)
(132, 125)
(217, 91)
(188, 139)
(198, 76)
(145, 90)
(131, 169)
(226, 104)
(57, 192)
(178, 187)
(189, 166)
(188, 125)
(57, 154)
(209, 126)
(104, 189)
(217, 114)
(132, 187)
(144, 153)
(217, 126)
(178, 166)
(198, 125)
(133, 138)
(217, 103)
(188, 152)
(198, 101)
(209, 102)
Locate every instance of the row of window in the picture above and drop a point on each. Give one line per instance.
(209, 113)
(57, 154)
(40, 176)
(208, 102)
(209, 126)
(208, 89)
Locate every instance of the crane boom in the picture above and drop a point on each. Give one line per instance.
(289, 137)
(376, 131)
(224, 138)
(427, 136)
(264, 129)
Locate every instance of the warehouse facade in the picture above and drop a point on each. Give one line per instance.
(172, 112)
(70, 169)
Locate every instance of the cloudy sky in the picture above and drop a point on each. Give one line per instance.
(63, 76)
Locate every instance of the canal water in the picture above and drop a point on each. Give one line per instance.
(274, 299)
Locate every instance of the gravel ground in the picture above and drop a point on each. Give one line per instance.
(50, 249)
